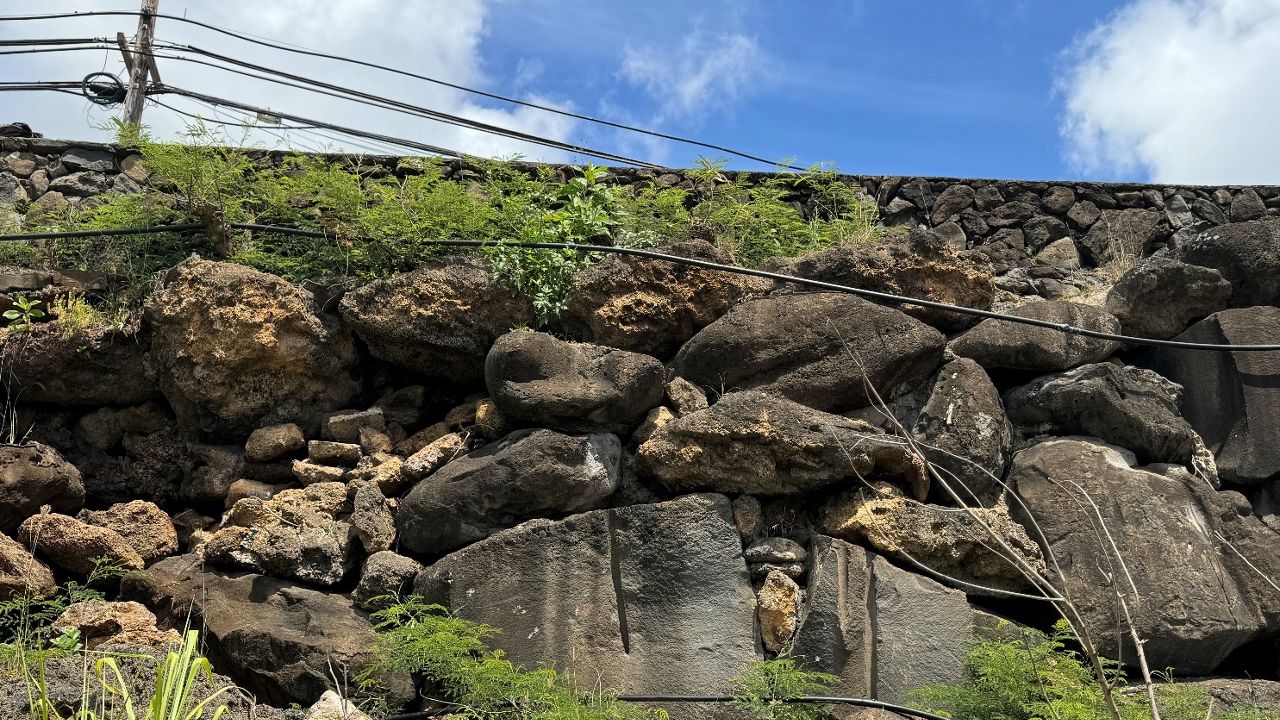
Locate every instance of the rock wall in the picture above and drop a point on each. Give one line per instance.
(654, 494)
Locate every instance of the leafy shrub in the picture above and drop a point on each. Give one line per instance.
(764, 685)
(1036, 677)
(25, 311)
(74, 314)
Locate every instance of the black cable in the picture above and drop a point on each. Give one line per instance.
(51, 41)
(194, 116)
(406, 73)
(808, 699)
(391, 104)
(694, 262)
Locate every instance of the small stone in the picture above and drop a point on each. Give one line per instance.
(464, 414)
(1058, 199)
(685, 397)
(748, 517)
(385, 471)
(371, 517)
(434, 456)
(385, 574)
(216, 471)
(84, 159)
(327, 452)
(421, 439)
(273, 441)
(133, 167)
(115, 623)
(1061, 253)
(20, 164)
(775, 550)
(778, 608)
(1246, 205)
(491, 422)
(656, 418)
(332, 706)
(375, 441)
(245, 488)
(309, 473)
(21, 574)
(759, 570)
(142, 524)
(345, 426)
(1083, 215)
(189, 522)
(81, 184)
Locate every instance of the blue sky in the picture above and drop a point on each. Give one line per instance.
(1164, 90)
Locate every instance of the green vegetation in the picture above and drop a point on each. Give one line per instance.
(764, 686)
(1037, 677)
(376, 218)
(23, 313)
(480, 682)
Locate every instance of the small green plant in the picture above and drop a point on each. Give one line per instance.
(1032, 676)
(75, 314)
(765, 686)
(453, 653)
(23, 313)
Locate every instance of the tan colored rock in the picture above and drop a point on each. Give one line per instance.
(245, 488)
(778, 608)
(385, 471)
(371, 517)
(309, 473)
(946, 540)
(656, 418)
(332, 706)
(435, 455)
(21, 574)
(297, 534)
(375, 441)
(34, 475)
(491, 422)
(115, 623)
(273, 442)
(142, 524)
(685, 397)
(328, 452)
(75, 546)
(421, 439)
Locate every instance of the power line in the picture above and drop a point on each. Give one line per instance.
(693, 262)
(437, 81)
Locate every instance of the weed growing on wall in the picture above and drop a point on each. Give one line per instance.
(1031, 676)
(375, 218)
(764, 685)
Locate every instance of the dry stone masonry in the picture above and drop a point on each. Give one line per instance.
(687, 470)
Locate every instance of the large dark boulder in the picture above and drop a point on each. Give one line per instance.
(621, 597)
(756, 443)
(94, 367)
(897, 268)
(883, 631)
(1019, 346)
(1248, 256)
(235, 348)
(1189, 609)
(653, 306)
(1120, 235)
(1160, 296)
(963, 430)
(33, 475)
(1131, 407)
(279, 640)
(570, 386)
(819, 349)
(1232, 399)
(439, 320)
(527, 474)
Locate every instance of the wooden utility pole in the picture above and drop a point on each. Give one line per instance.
(141, 64)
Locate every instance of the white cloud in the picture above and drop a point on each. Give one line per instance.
(703, 71)
(1179, 90)
(438, 38)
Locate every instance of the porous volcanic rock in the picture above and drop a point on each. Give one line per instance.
(34, 475)
(949, 541)
(94, 367)
(1018, 346)
(819, 349)
(1160, 296)
(148, 529)
(527, 474)
(296, 534)
(115, 623)
(278, 639)
(572, 387)
(778, 607)
(273, 442)
(236, 348)
(439, 320)
(1121, 234)
(21, 574)
(894, 267)
(385, 574)
(757, 443)
(75, 546)
(621, 595)
(962, 428)
(1189, 610)
(1248, 256)
(1231, 399)
(1131, 407)
(653, 306)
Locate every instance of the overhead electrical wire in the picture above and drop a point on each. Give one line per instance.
(692, 262)
(444, 83)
